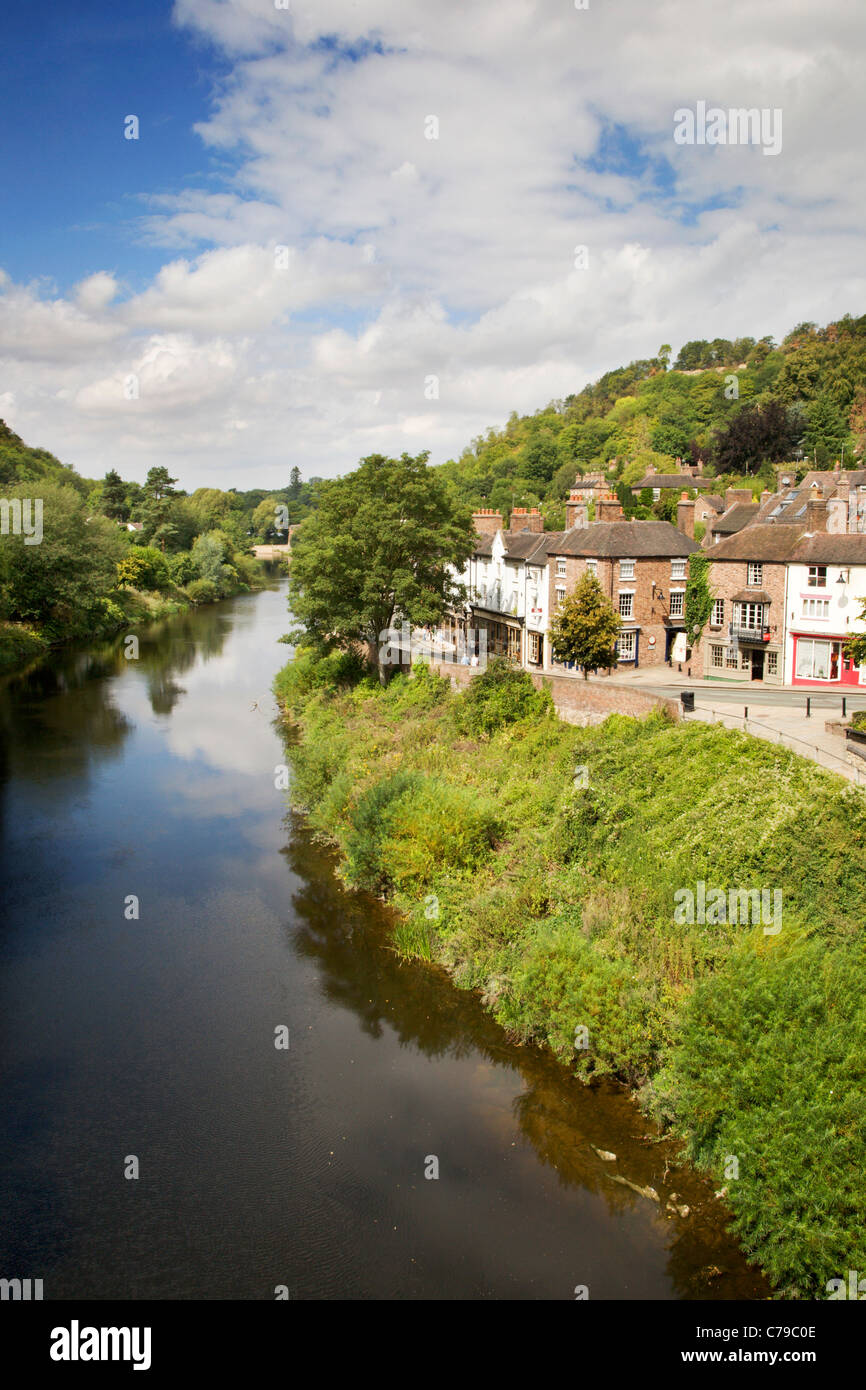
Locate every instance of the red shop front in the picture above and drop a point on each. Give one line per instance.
(821, 661)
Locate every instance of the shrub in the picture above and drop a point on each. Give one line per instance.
(144, 567)
(182, 568)
(202, 591)
(501, 695)
(310, 672)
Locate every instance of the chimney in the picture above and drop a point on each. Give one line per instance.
(523, 520)
(686, 515)
(651, 470)
(487, 522)
(735, 495)
(699, 467)
(608, 508)
(765, 496)
(843, 485)
(576, 511)
(816, 515)
(784, 479)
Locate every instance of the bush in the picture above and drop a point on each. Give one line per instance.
(144, 567)
(202, 591)
(182, 568)
(501, 695)
(407, 827)
(310, 672)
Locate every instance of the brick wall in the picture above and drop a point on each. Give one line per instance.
(578, 701)
(649, 611)
(726, 578)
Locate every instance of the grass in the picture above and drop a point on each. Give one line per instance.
(555, 900)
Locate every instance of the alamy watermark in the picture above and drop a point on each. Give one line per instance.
(738, 125)
(22, 517)
(738, 906)
(399, 646)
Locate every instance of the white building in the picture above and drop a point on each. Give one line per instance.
(826, 590)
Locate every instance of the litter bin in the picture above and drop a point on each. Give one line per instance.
(688, 699)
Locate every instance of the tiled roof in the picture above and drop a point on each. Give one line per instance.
(631, 539)
(822, 549)
(734, 520)
(770, 542)
(671, 480)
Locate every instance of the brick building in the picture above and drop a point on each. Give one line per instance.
(745, 636)
(642, 567)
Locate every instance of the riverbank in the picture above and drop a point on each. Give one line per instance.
(552, 869)
(22, 643)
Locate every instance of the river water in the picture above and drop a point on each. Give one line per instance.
(149, 1042)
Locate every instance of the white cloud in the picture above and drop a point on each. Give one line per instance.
(454, 256)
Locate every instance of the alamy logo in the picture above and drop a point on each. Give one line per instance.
(75, 1343)
(22, 518)
(737, 126)
(21, 1290)
(739, 906)
(855, 1288)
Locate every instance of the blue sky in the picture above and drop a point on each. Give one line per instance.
(408, 257)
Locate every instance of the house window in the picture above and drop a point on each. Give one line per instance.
(627, 646)
(514, 644)
(817, 660)
(677, 600)
(560, 568)
(745, 661)
(592, 566)
(754, 575)
(772, 663)
(749, 615)
(731, 658)
(535, 647)
(717, 616)
(678, 569)
(816, 608)
(560, 596)
(626, 569)
(717, 657)
(817, 576)
(626, 605)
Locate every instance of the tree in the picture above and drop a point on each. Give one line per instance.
(295, 483)
(157, 495)
(61, 583)
(114, 503)
(144, 567)
(756, 434)
(585, 627)
(381, 548)
(856, 647)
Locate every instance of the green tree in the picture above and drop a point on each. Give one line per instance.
(379, 549)
(157, 495)
(114, 503)
(856, 648)
(585, 627)
(144, 567)
(63, 582)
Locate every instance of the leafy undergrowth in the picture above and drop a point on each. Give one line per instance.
(539, 862)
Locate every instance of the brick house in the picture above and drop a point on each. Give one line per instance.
(745, 636)
(642, 567)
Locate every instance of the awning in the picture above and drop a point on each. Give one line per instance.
(752, 596)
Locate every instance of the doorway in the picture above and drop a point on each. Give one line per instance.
(757, 665)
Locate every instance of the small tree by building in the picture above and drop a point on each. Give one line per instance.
(856, 647)
(585, 627)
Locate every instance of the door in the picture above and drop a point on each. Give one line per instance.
(757, 665)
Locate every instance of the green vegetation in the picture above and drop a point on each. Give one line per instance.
(742, 406)
(554, 897)
(585, 627)
(81, 573)
(377, 552)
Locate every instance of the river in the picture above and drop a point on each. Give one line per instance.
(148, 1042)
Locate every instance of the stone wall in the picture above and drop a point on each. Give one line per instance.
(578, 701)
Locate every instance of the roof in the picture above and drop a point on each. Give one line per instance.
(736, 518)
(770, 542)
(823, 549)
(671, 480)
(633, 539)
(519, 544)
(715, 501)
(753, 596)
